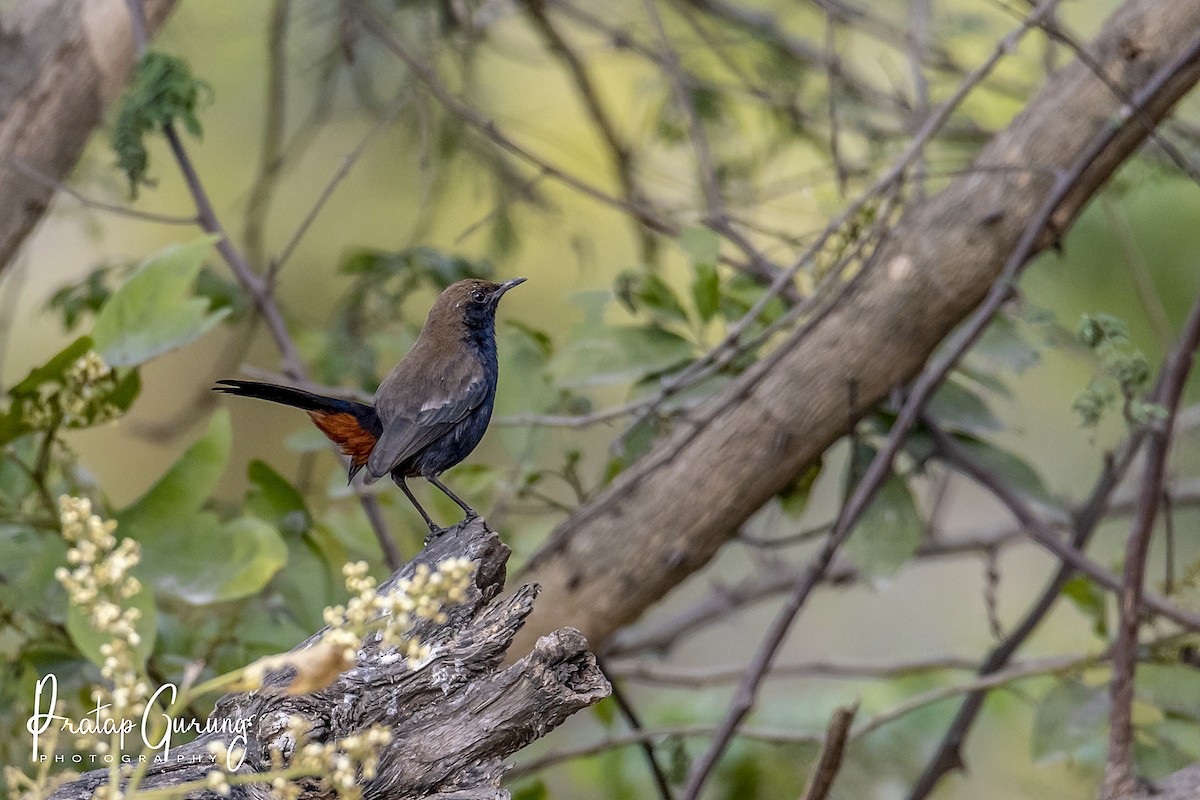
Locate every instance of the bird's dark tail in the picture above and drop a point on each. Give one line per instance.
(354, 427)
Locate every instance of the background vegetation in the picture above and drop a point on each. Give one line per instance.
(680, 157)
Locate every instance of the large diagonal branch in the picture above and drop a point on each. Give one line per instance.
(666, 516)
(60, 64)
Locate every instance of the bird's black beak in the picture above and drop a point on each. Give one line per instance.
(504, 287)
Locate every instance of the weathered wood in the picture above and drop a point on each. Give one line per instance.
(61, 63)
(453, 721)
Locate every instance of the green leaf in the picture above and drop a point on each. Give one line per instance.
(706, 291)
(127, 390)
(273, 499)
(1003, 344)
(155, 309)
(207, 561)
(85, 297)
(1165, 747)
(740, 294)
(532, 791)
(890, 530)
(1008, 466)
(1099, 329)
(701, 244)
(1070, 723)
(262, 632)
(12, 427)
(794, 499)
(312, 580)
(182, 491)
(27, 580)
(193, 555)
(161, 91)
(1090, 600)
(1173, 688)
(960, 410)
(89, 640)
(639, 289)
(606, 712)
(52, 371)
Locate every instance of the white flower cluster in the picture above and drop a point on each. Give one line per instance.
(78, 400)
(98, 584)
(216, 779)
(394, 612)
(342, 763)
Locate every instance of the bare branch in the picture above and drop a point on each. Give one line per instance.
(922, 389)
(743, 446)
(1118, 773)
(829, 762)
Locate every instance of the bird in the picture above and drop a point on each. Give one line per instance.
(430, 411)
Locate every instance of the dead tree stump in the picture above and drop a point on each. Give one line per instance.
(454, 720)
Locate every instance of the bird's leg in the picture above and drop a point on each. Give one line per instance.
(471, 513)
(399, 480)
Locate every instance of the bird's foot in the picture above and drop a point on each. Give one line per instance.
(434, 533)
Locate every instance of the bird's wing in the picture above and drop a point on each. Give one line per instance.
(417, 414)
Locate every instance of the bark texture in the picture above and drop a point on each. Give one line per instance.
(665, 517)
(453, 721)
(61, 63)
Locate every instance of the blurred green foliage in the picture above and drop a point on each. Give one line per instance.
(229, 576)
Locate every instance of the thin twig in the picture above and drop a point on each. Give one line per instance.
(732, 343)
(919, 15)
(1143, 282)
(1168, 513)
(718, 602)
(1104, 498)
(339, 175)
(36, 175)
(620, 153)
(635, 723)
(655, 672)
(922, 389)
(1033, 669)
(705, 169)
(433, 84)
(833, 72)
(829, 762)
(10, 296)
(271, 161)
(957, 455)
(948, 755)
(1118, 773)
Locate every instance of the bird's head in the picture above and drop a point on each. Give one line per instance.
(472, 301)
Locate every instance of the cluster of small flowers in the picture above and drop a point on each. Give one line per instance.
(106, 791)
(98, 584)
(216, 778)
(79, 399)
(342, 763)
(393, 613)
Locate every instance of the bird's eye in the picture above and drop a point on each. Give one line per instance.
(478, 296)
